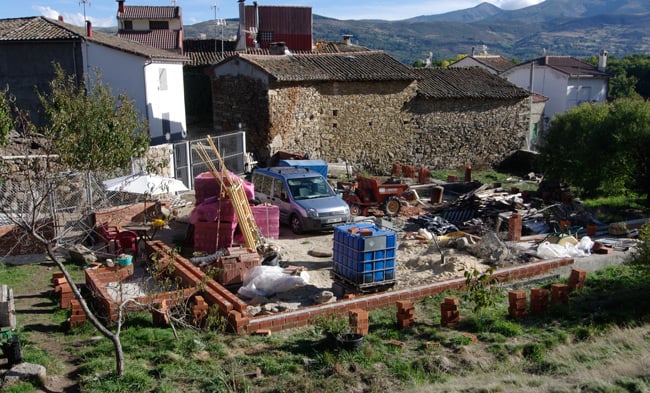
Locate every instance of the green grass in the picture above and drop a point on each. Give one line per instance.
(17, 275)
(607, 320)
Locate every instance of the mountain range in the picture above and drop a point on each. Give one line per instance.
(579, 28)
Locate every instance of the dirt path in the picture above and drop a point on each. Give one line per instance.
(35, 306)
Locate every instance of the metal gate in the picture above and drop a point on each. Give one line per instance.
(188, 164)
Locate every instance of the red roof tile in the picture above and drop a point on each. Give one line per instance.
(149, 12)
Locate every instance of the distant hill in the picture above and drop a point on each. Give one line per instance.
(578, 28)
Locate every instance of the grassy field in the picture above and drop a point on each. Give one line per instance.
(599, 342)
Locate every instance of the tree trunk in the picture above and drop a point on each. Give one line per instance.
(115, 338)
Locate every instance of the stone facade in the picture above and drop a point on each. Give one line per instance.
(369, 124)
(454, 133)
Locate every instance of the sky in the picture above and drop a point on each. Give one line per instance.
(102, 12)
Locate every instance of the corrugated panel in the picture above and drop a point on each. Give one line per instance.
(281, 19)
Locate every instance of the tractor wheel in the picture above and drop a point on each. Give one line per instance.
(391, 206)
(15, 352)
(355, 210)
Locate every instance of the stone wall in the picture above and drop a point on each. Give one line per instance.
(370, 125)
(364, 123)
(453, 133)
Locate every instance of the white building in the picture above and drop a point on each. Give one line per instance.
(152, 77)
(566, 81)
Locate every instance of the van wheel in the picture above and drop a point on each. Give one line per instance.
(296, 225)
(392, 206)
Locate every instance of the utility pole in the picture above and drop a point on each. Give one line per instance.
(215, 7)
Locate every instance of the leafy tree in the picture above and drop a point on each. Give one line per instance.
(601, 148)
(88, 130)
(6, 120)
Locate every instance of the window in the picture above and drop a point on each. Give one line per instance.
(128, 25)
(265, 36)
(162, 79)
(278, 190)
(158, 25)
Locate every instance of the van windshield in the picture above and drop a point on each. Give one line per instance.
(309, 188)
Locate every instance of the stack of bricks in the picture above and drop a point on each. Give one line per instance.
(559, 293)
(199, 309)
(449, 312)
(77, 315)
(359, 321)
(577, 279)
(538, 300)
(159, 313)
(517, 301)
(63, 290)
(405, 314)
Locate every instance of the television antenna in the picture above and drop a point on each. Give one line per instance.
(84, 3)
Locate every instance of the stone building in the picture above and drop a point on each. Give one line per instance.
(368, 109)
(466, 116)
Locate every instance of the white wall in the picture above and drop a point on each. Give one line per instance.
(238, 67)
(137, 77)
(546, 81)
(166, 98)
(563, 92)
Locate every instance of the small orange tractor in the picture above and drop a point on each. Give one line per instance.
(366, 193)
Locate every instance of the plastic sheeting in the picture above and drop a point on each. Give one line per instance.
(269, 280)
(547, 250)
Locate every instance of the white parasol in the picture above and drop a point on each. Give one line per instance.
(146, 184)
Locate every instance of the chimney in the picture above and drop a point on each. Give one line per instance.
(241, 33)
(346, 39)
(602, 60)
(89, 29)
(473, 51)
(61, 18)
(278, 48)
(120, 6)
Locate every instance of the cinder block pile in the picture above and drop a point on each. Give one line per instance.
(405, 314)
(559, 293)
(77, 315)
(449, 312)
(517, 301)
(199, 309)
(359, 321)
(538, 300)
(160, 314)
(577, 279)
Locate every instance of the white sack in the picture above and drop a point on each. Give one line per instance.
(269, 280)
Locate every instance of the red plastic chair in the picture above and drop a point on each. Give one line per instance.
(127, 240)
(108, 234)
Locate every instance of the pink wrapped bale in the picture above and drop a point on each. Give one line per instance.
(206, 185)
(267, 218)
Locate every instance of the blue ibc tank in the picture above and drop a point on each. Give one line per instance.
(367, 259)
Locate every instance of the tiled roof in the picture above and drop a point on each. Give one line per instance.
(32, 29)
(337, 47)
(208, 51)
(497, 63)
(149, 12)
(568, 65)
(353, 66)
(39, 28)
(472, 82)
(161, 39)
